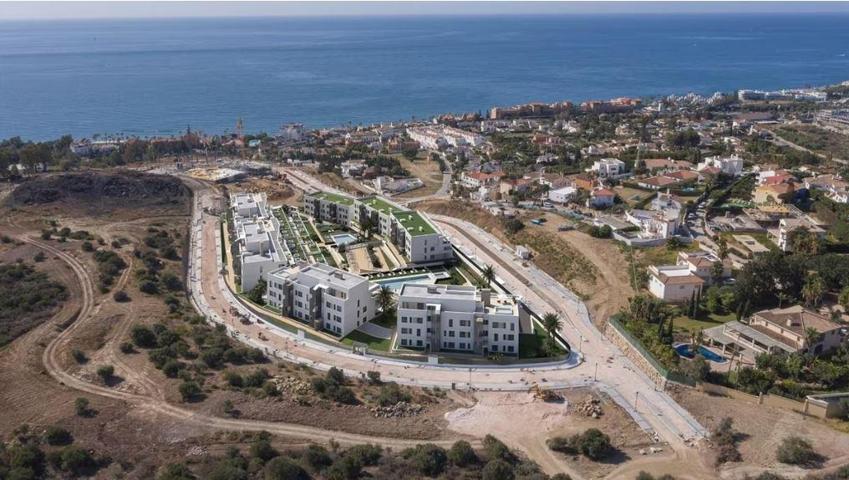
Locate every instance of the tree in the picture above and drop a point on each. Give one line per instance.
(58, 436)
(812, 337)
(722, 251)
(716, 272)
(428, 459)
(593, 444)
(462, 454)
(843, 299)
(81, 405)
(190, 391)
(551, 323)
(121, 296)
(175, 471)
(143, 337)
(281, 468)
(804, 242)
(497, 470)
(105, 372)
(813, 289)
(256, 294)
(76, 460)
(697, 368)
(385, 298)
(488, 274)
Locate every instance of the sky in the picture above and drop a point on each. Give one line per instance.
(53, 10)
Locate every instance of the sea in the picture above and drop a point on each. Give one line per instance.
(160, 77)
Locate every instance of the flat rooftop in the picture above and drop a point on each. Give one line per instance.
(448, 292)
(382, 205)
(415, 223)
(333, 197)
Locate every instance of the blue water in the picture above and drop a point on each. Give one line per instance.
(395, 284)
(153, 77)
(344, 239)
(685, 350)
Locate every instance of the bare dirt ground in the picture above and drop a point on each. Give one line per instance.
(424, 169)
(277, 192)
(543, 420)
(764, 428)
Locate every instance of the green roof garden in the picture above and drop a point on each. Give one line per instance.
(415, 223)
(382, 205)
(334, 197)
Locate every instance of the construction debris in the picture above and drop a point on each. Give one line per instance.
(293, 385)
(590, 407)
(400, 409)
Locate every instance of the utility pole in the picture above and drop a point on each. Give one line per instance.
(595, 376)
(636, 399)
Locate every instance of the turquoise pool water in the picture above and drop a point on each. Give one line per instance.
(685, 351)
(343, 239)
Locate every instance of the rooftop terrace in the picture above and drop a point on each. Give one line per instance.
(415, 223)
(381, 204)
(334, 197)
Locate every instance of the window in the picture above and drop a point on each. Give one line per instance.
(465, 323)
(450, 322)
(403, 319)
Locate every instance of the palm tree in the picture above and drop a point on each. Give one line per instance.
(385, 298)
(813, 289)
(488, 274)
(551, 323)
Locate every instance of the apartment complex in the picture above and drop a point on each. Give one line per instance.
(457, 318)
(436, 137)
(410, 231)
(256, 239)
(322, 296)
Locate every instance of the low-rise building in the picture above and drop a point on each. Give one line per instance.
(608, 167)
(457, 318)
(701, 264)
(601, 198)
(732, 165)
(322, 297)
(674, 283)
(562, 195)
(787, 227)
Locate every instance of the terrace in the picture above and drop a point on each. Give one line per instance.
(415, 223)
(381, 205)
(334, 197)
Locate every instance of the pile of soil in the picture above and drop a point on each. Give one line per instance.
(114, 189)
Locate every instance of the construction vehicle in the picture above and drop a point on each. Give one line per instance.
(544, 395)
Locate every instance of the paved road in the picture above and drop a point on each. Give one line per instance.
(781, 141)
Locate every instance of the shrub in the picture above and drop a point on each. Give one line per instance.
(797, 451)
(462, 454)
(256, 378)
(39, 257)
(81, 406)
(283, 469)
(175, 471)
(228, 407)
(390, 394)
(234, 379)
(171, 282)
(190, 391)
(87, 246)
(58, 436)
(105, 372)
(121, 296)
(725, 438)
(335, 375)
(495, 449)
(497, 470)
(365, 454)
(149, 287)
(428, 459)
(344, 468)
(172, 368)
(261, 448)
(561, 444)
(373, 377)
(143, 337)
(79, 356)
(126, 347)
(317, 457)
(76, 460)
(593, 444)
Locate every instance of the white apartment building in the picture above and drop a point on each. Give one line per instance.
(562, 195)
(256, 239)
(436, 137)
(322, 296)
(608, 167)
(732, 165)
(661, 221)
(457, 318)
(410, 231)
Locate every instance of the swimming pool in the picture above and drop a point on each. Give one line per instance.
(395, 284)
(685, 351)
(343, 239)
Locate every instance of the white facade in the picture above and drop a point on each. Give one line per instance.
(322, 296)
(788, 225)
(439, 136)
(608, 167)
(457, 318)
(673, 283)
(562, 195)
(661, 221)
(732, 165)
(256, 236)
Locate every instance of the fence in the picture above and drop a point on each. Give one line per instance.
(637, 353)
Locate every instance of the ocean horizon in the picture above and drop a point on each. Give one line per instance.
(160, 76)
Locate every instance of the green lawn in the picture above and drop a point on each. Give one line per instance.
(530, 344)
(374, 343)
(687, 324)
(388, 321)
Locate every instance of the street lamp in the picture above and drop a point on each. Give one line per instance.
(636, 399)
(595, 376)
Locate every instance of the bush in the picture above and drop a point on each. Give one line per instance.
(261, 448)
(373, 377)
(797, 451)
(190, 391)
(121, 296)
(143, 337)
(390, 394)
(81, 406)
(256, 378)
(365, 454)
(428, 459)
(725, 438)
(87, 246)
(39, 257)
(317, 457)
(76, 460)
(462, 454)
(171, 282)
(283, 469)
(126, 347)
(175, 471)
(172, 368)
(79, 356)
(149, 287)
(497, 470)
(593, 444)
(344, 468)
(234, 379)
(495, 449)
(105, 372)
(58, 436)
(562, 445)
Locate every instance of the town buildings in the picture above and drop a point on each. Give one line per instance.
(732, 165)
(436, 137)
(674, 283)
(608, 167)
(457, 318)
(322, 297)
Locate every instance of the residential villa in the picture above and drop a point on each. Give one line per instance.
(674, 283)
(608, 167)
(732, 165)
(787, 226)
(661, 221)
(701, 264)
(601, 198)
(787, 329)
(323, 297)
(457, 318)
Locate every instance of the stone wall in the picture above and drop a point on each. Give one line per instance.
(634, 355)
